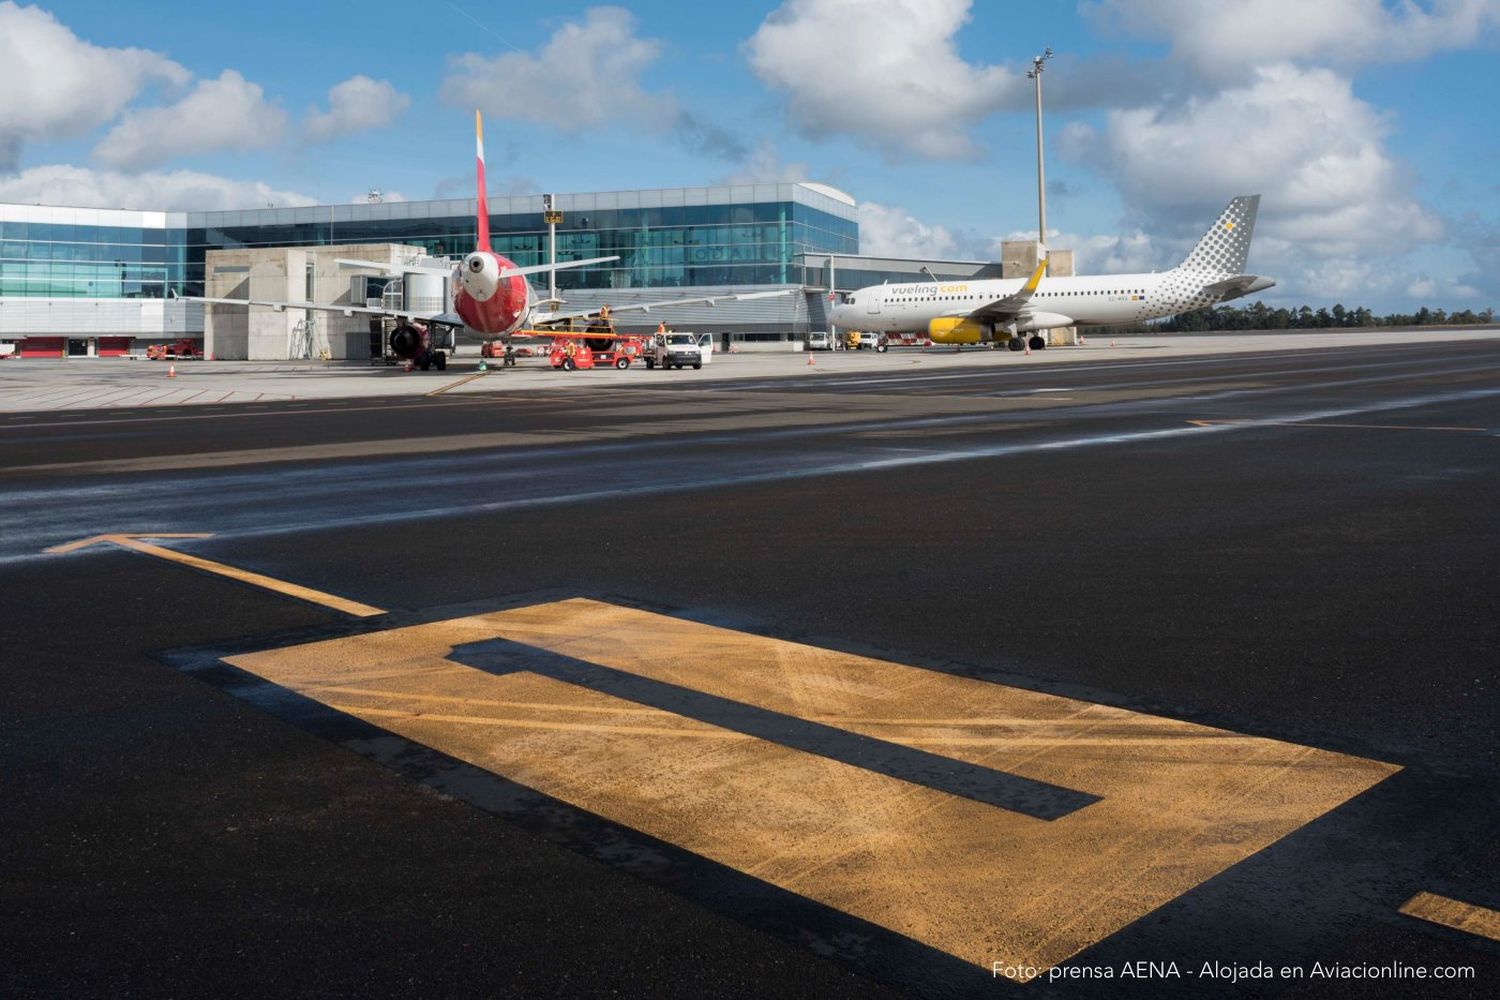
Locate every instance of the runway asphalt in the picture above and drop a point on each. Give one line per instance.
(822, 684)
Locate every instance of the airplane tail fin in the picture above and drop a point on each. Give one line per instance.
(1226, 245)
(484, 206)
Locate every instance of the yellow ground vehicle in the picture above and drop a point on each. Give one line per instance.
(854, 340)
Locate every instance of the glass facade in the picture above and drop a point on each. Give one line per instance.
(849, 279)
(76, 261)
(748, 235)
(666, 247)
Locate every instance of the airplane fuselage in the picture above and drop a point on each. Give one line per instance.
(940, 309)
(491, 306)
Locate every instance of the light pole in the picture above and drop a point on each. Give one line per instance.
(1038, 63)
(833, 331)
(552, 217)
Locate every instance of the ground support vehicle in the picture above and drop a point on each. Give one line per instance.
(675, 350)
(857, 341)
(177, 350)
(570, 354)
(591, 350)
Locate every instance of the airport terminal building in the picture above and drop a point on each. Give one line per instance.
(100, 282)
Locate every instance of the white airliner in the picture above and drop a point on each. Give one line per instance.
(1004, 309)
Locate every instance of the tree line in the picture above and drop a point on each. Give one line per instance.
(1259, 316)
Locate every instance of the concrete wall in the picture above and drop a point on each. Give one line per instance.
(1018, 258)
(259, 333)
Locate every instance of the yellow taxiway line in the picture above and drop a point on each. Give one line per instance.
(454, 385)
(133, 542)
(1170, 804)
(1466, 917)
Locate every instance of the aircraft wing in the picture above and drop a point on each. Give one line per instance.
(1011, 306)
(438, 318)
(511, 272)
(396, 270)
(558, 317)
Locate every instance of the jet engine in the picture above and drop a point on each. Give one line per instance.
(1043, 321)
(956, 330)
(407, 341)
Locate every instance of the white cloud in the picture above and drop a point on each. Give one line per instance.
(1221, 40)
(354, 105)
(1130, 252)
(172, 191)
(1480, 238)
(57, 85)
(1441, 290)
(886, 72)
(1298, 137)
(587, 74)
(763, 165)
(226, 113)
(885, 231)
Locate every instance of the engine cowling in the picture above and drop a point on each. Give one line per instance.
(407, 341)
(1043, 321)
(955, 330)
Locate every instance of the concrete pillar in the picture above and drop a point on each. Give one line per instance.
(1018, 258)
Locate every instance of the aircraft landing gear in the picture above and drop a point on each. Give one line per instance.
(1037, 342)
(1017, 343)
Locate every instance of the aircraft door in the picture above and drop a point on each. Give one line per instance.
(873, 308)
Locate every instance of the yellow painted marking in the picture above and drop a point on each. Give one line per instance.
(1179, 802)
(1466, 917)
(454, 385)
(134, 543)
(95, 539)
(1309, 423)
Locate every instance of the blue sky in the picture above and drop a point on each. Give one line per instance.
(1369, 128)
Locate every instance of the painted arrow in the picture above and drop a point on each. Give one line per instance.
(134, 543)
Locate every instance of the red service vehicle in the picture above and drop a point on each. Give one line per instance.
(177, 350)
(596, 349)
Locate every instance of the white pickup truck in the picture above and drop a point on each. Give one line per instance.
(679, 350)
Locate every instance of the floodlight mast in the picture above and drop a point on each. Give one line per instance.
(1038, 63)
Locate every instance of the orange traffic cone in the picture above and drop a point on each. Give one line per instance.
(1111, 343)
(1028, 348)
(171, 371)
(1081, 341)
(809, 359)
